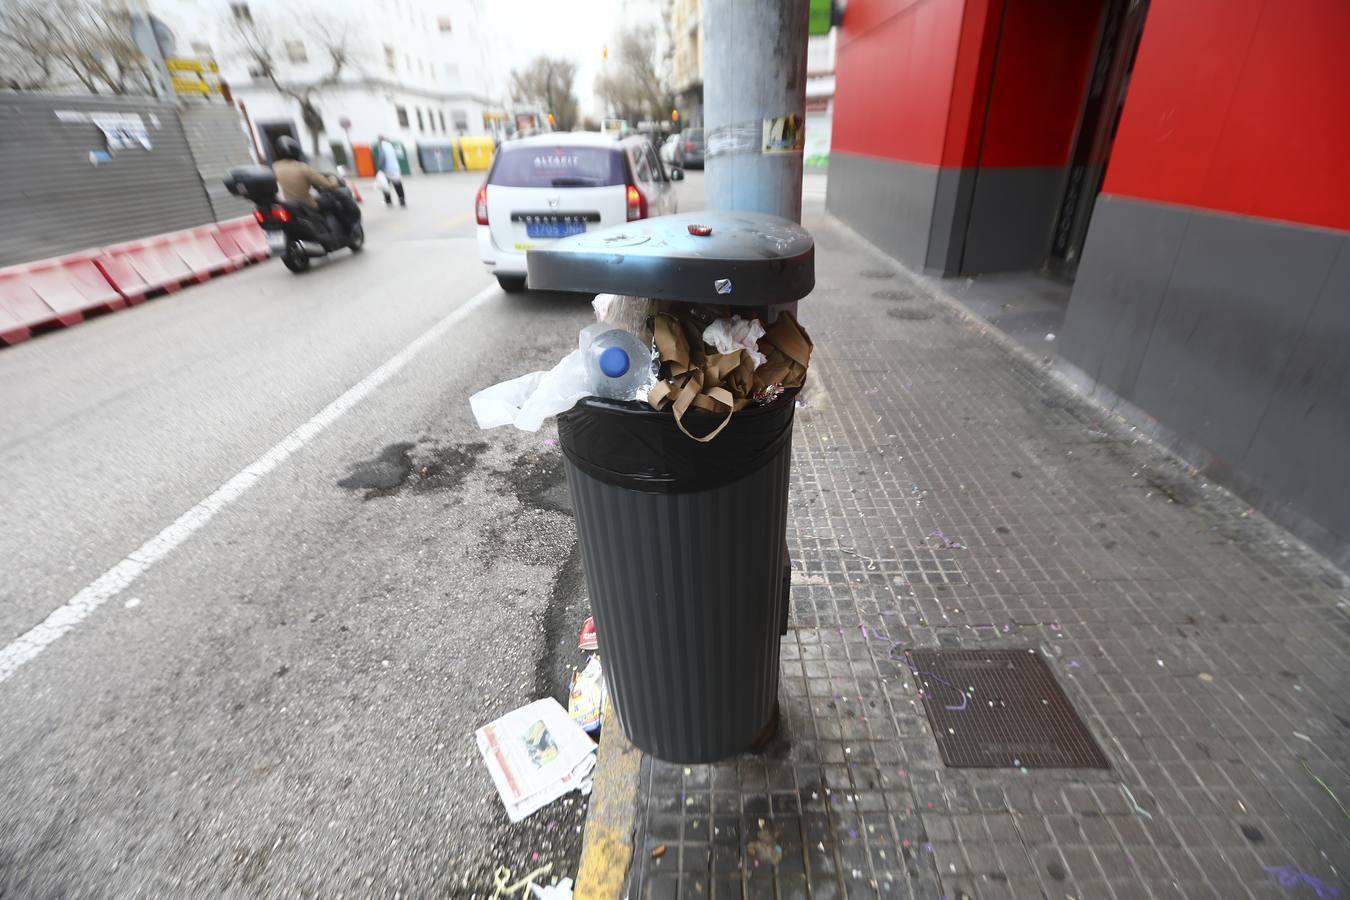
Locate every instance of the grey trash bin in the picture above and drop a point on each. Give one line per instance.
(683, 543)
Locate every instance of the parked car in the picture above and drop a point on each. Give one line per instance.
(672, 151)
(552, 186)
(693, 148)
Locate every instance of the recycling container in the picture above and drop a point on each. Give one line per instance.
(477, 153)
(683, 543)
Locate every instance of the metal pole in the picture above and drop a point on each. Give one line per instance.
(754, 104)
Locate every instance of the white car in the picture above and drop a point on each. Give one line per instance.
(552, 186)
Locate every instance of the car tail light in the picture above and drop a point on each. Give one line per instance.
(637, 204)
(688, 146)
(480, 205)
(258, 216)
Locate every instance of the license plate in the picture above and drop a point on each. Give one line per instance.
(276, 241)
(554, 230)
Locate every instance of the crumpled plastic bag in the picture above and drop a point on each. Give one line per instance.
(527, 401)
(730, 335)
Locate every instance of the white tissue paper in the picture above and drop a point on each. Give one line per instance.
(730, 335)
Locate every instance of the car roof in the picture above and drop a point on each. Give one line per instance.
(565, 139)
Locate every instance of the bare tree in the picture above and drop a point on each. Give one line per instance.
(55, 44)
(634, 87)
(258, 44)
(547, 82)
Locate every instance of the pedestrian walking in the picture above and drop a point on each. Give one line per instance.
(391, 176)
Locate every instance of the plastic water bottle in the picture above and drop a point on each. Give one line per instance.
(618, 364)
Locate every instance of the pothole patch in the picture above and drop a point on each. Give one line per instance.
(894, 296)
(877, 273)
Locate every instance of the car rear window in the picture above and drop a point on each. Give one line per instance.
(545, 166)
(694, 135)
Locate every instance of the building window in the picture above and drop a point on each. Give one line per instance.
(389, 59)
(295, 52)
(241, 12)
(402, 113)
(419, 120)
(440, 114)
(461, 120)
(443, 25)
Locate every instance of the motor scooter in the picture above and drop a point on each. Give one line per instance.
(296, 232)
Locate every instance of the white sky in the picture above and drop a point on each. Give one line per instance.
(575, 29)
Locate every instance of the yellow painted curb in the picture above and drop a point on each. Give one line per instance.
(607, 846)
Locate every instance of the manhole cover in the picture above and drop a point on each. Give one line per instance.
(993, 709)
(893, 295)
(877, 273)
(909, 314)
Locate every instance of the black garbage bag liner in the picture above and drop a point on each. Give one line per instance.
(631, 445)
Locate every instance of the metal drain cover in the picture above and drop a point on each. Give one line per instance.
(994, 709)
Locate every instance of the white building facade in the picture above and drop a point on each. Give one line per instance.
(419, 70)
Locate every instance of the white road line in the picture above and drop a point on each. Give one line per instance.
(120, 577)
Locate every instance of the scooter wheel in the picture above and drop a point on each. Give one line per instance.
(295, 258)
(356, 238)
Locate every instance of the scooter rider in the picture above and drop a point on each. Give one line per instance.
(295, 177)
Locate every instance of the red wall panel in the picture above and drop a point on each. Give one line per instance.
(893, 77)
(970, 81)
(1240, 106)
(1044, 56)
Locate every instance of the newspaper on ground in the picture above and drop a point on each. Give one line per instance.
(535, 755)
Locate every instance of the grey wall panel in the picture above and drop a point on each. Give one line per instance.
(890, 203)
(1301, 449)
(215, 133)
(1012, 215)
(1232, 313)
(1128, 257)
(1231, 333)
(951, 213)
(56, 200)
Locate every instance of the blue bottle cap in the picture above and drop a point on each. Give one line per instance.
(613, 361)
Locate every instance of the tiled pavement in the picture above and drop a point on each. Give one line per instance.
(1206, 651)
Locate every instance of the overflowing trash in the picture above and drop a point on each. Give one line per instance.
(536, 754)
(673, 356)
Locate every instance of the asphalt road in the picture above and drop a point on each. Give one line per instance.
(283, 702)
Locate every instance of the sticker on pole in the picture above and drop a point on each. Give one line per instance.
(784, 134)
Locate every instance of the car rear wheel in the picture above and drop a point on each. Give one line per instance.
(512, 284)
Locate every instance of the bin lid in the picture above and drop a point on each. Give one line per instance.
(728, 258)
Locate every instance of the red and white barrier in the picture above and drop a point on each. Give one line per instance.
(62, 289)
(199, 251)
(58, 290)
(137, 268)
(20, 307)
(242, 240)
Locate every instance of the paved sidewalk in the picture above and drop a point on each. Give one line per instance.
(949, 494)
